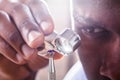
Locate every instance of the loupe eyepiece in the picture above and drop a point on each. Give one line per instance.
(67, 42)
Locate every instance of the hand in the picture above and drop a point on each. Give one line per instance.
(23, 25)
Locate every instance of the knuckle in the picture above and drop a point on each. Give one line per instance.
(32, 2)
(3, 16)
(14, 38)
(13, 8)
(18, 7)
(3, 45)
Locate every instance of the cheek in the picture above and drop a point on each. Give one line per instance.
(111, 60)
(112, 52)
(90, 55)
(90, 52)
(96, 53)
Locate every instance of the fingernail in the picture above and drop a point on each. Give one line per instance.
(20, 59)
(35, 38)
(27, 51)
(45, 25)
(33, 35)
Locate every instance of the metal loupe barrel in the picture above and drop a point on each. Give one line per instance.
(67, 42)
(64, 43)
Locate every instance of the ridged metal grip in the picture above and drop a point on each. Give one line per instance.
(67, 42)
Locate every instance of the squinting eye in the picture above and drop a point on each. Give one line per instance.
(93, 30)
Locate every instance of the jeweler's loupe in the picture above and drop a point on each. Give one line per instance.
(64, 43)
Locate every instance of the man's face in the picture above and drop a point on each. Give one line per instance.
(98, 24)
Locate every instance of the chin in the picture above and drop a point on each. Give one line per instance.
(105, 78)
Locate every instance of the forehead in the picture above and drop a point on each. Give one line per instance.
(105, 11)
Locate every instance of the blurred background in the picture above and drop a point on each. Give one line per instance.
(60, 10)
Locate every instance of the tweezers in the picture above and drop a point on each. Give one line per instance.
(52, 72)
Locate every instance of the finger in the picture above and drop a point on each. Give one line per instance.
(9, 33)
(7, 51)
(13, 37)
(26, 24)
(12, 71)
(41, 14)
(57, 56)
(42, 52)
(36, 62)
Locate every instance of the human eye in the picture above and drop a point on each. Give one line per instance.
(95, 32)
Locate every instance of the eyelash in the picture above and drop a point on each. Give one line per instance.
(95, 32)
(93, 29)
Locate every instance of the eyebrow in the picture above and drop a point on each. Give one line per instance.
(87, 21)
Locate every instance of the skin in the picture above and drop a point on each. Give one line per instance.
(23, 26)
(98, 24)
